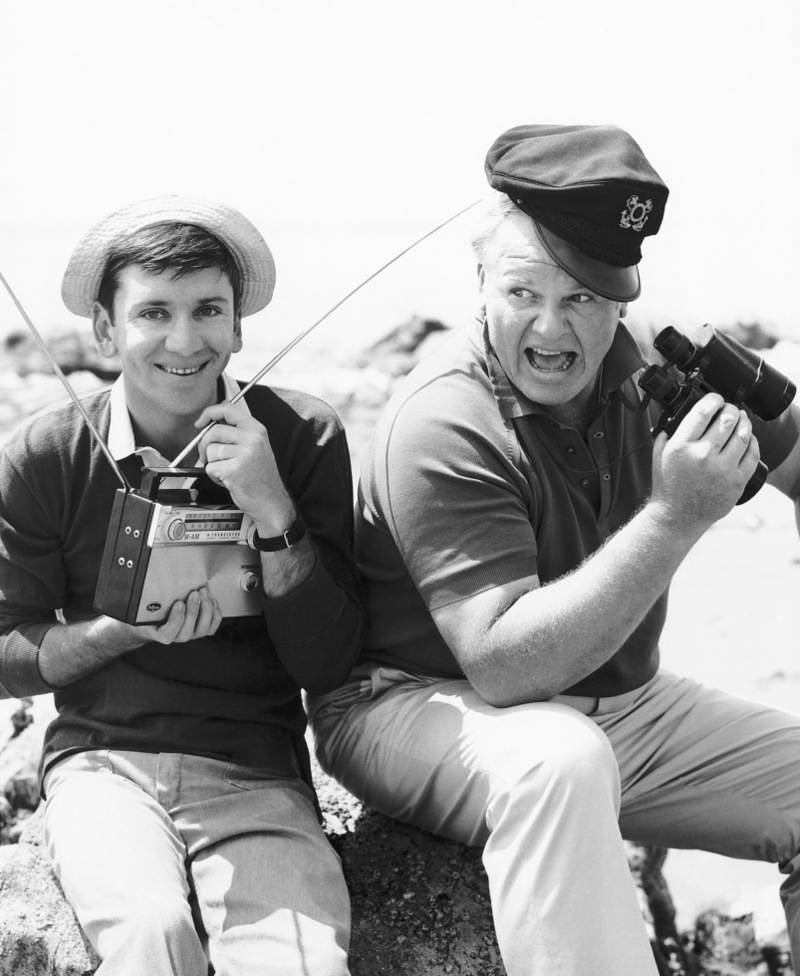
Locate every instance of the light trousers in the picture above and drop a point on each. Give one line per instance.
(551, 789)
(171, 861)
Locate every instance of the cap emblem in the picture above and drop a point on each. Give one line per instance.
(635, 217)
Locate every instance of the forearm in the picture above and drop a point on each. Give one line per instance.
(285, 570)
(316, 628)
(69, 652)
(549, 638)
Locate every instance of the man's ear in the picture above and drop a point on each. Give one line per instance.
(237, 333)
(623, 310)
(103, 329)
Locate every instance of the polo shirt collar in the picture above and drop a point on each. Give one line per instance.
(121, 440)
(622, 361)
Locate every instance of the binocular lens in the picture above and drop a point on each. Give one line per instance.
(738, 374)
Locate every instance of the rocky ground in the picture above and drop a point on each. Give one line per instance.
(420, 904)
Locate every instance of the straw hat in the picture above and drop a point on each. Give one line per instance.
(249, 250)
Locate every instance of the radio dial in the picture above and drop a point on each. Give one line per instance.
(175, 529)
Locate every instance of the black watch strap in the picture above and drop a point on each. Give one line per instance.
(278, 542)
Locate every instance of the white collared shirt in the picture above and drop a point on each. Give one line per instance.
(121, 439)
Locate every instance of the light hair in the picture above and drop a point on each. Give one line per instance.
(498, 207)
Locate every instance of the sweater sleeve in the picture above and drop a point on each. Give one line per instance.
(317, 628)
(31, 583)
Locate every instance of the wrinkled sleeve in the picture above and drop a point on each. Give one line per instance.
(317, 628)
(449, 490)
(32, 581)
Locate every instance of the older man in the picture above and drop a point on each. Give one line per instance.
(180, 811)
(518, 528)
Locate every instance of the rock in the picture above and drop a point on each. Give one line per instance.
(721, 938)
(752, 335)
(39, 935)
(72, 348)
(20, 750)
(671, 954)
(420, 903)
(401, 349)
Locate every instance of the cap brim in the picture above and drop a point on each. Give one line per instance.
(608, 281)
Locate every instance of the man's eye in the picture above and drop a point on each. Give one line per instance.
(580, 299)
(520, 292)
(209, 311)
(153, 314)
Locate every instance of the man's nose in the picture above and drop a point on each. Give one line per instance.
(183, 337)
(550, 320)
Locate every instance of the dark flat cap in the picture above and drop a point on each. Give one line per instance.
(592, 196)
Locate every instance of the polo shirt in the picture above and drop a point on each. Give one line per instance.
(468, 485)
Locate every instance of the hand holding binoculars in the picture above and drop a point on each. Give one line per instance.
(722, 365)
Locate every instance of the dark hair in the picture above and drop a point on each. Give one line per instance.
(180, 248)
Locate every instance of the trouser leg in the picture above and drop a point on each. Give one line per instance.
(536, 784)
(120, 862)
(269, 885)
(703, 769)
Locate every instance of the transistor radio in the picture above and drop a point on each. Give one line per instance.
(163, 542)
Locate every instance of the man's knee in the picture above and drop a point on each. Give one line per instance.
(144, 920)
(562, 750)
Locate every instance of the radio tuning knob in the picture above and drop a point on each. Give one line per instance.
(250, 582)
(175, 529)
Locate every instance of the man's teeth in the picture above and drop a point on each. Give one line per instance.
(177, 371)
(551, 362)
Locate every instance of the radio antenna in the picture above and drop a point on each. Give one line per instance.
(111, 459)
(298, 338)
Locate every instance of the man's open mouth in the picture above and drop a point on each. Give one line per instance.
(550, 362)
(181, 370)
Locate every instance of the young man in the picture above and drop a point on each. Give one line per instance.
(180, 811)
(518, 529)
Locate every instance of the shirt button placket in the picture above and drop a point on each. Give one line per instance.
(600, 455)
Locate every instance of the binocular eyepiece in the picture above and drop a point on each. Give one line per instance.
(723, 366)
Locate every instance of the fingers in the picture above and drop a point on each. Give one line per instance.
(225, 413)
(750, 458)
(197, 616)
(727, 427)
(708, 410)
(224, 440)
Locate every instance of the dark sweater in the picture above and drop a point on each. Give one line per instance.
(234, 696)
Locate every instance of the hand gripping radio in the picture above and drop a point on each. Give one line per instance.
(164, 542)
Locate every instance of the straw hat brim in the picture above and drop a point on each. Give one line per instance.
(247, 247)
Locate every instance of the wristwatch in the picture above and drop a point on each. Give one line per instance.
(278, 542)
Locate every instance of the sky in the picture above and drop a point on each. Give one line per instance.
(345, 130)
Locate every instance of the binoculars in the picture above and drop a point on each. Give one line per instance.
(723, 366)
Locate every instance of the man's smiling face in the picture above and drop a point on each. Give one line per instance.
(549, 332)
(174, 337)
